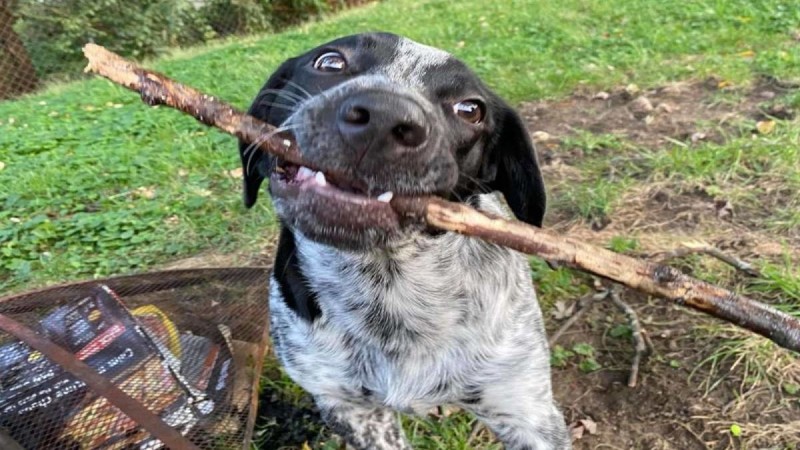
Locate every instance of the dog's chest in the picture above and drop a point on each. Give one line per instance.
(413, 329)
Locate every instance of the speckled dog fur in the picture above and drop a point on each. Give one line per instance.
(415, 319)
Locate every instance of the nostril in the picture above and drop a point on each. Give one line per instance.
(356, 115)
(409, 134)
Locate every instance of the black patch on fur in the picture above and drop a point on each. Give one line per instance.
(293, 283)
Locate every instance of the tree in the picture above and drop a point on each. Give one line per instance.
(17, 73)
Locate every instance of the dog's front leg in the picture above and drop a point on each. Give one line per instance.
(522, 415)
(363, 427)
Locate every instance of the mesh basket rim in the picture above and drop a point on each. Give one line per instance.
(202, 272)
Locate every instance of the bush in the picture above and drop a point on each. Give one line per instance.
(55, 30)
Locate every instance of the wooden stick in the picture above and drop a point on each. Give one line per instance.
(646, 277)
(640, 348)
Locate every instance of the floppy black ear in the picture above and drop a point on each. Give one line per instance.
(512, 168)
(255, 163)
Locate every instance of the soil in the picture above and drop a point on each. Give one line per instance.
(672, 406)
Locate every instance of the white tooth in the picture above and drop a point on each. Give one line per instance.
(304, 172)
(386, 197)
(320, 177)
(287, 143)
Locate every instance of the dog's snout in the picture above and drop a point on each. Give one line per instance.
(382, 119)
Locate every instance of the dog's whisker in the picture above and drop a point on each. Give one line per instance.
(271, 104)
(251, 148)
(259, 141)
(288, 95)
(299, 88)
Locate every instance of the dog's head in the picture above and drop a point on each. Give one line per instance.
(389, 117)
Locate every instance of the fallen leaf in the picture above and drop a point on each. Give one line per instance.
(698, 136)
(723, 84)
(590, 425)
(602, 95)
(562, 311)
(765, 126)
(724, 208)
(632, 89)
(577, 432)
(147, 192)
(2, 165)
(536, 136)
(235, 173)
(747, 54)
(182, 172)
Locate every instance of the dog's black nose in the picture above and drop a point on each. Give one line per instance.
(382, 120)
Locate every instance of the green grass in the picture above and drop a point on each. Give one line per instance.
(76, 154)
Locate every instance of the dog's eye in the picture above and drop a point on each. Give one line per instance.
(330, 62)
(469, 110)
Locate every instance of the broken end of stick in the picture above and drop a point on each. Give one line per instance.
(109, 65)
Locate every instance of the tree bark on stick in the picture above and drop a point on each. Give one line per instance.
(649, 278)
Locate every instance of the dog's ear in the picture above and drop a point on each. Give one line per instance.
(256, 163)
(511, 167)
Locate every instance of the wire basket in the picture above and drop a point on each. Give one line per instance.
(159, 360)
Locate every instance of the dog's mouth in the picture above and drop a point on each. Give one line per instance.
(329, 208)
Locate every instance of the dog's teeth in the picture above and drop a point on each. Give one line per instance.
(386, 197)
(304, 172)
(287, 143)
(280, 169)
(320, 178)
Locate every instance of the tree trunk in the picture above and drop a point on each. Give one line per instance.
(17, 73)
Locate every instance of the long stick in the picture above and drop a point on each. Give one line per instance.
(646, 277)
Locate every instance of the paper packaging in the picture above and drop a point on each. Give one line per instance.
(45, 407)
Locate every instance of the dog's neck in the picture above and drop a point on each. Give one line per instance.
(425, 291)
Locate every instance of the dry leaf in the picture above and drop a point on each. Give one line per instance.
(235, 173)
(747, 54)
(562, 311)
(540, 136)
(148, 192)
(589, 425)
(765, 126)
(698, 136)
(577, 432)
(2, 165)
(202, 192)
(602, 95)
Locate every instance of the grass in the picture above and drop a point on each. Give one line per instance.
(94, 183)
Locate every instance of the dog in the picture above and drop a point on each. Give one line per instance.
(371, 314)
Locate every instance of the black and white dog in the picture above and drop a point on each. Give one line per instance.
(372, 315)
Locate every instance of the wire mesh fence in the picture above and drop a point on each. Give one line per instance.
(40, 40)
(188, 345)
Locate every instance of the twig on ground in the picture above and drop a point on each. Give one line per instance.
(477, 426)
(640, 341)
(710, 250)
(644, 276)
(583, 305)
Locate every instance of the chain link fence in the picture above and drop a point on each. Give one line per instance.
(40, 40)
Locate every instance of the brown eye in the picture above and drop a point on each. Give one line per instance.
(469, 110)
(330, 62)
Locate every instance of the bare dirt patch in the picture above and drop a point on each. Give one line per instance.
(669, 409)
(680, 112)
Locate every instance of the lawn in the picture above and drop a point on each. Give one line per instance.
(94, 183)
